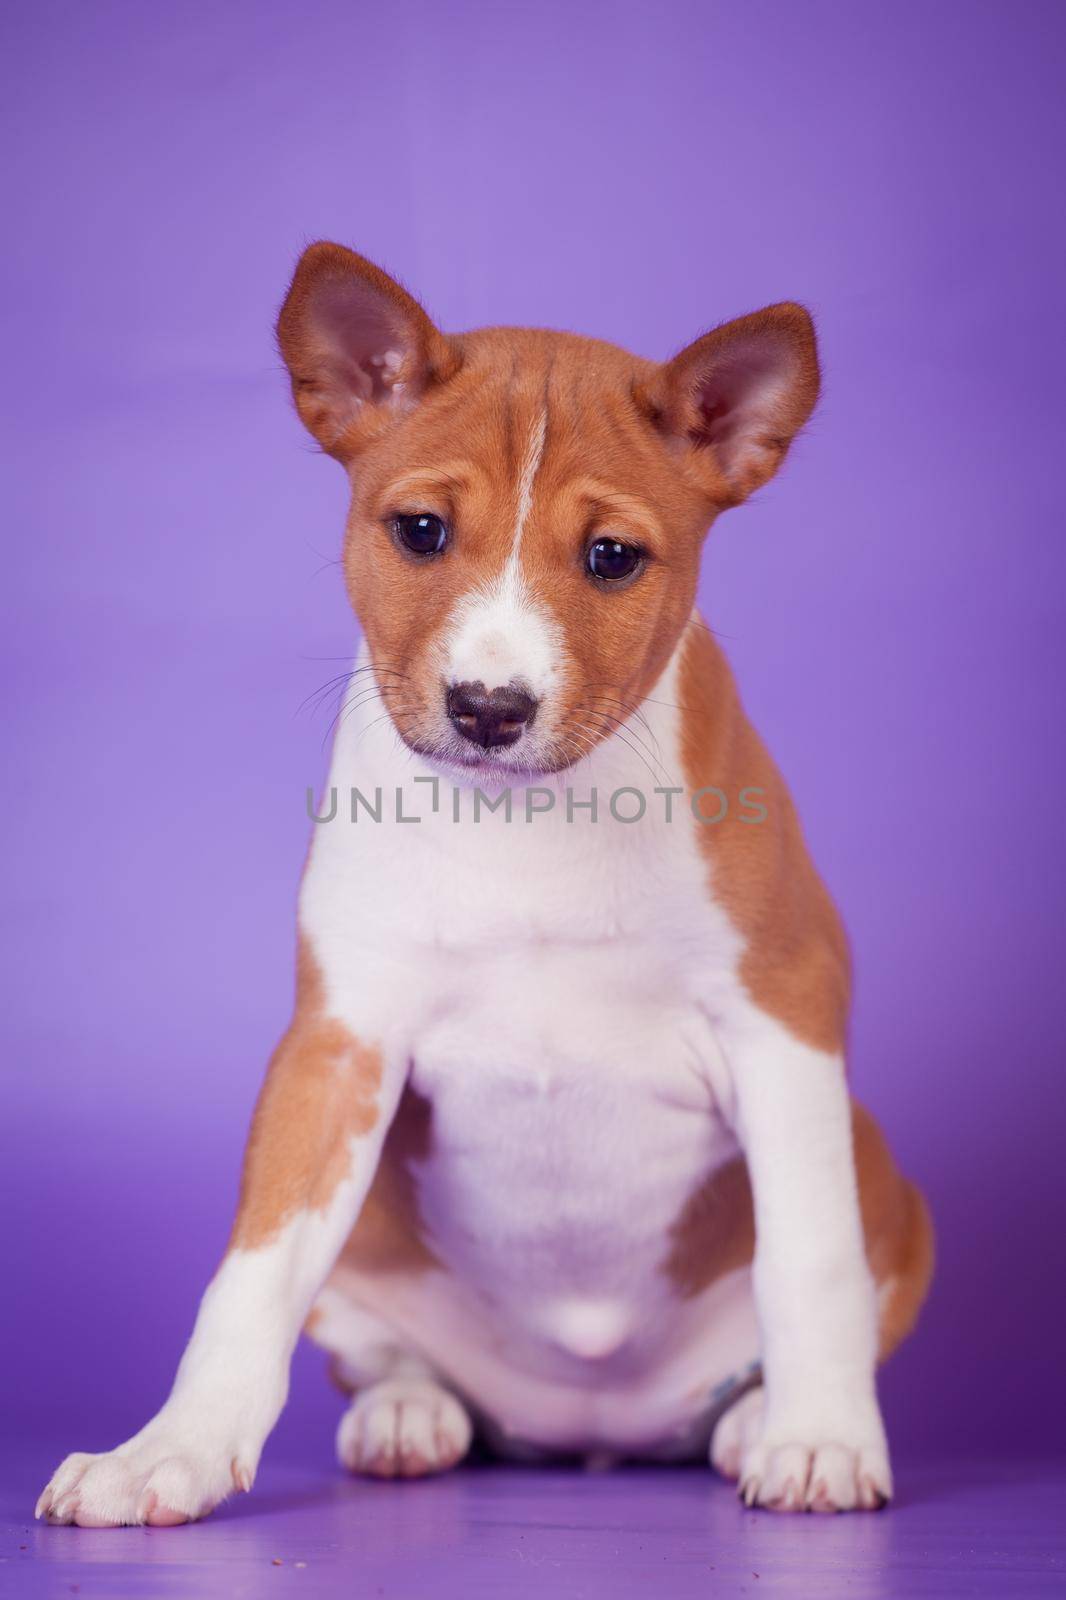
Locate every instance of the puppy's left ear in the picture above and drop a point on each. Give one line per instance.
(360, 350)
(738, 397)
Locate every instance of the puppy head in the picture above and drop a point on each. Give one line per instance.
(528, 507)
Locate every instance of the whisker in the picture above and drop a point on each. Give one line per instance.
(364, 695)
(633, 711)
(698, 622)
(327, 561)
(368, 666)
(387, 716)
(616, 725)
(343, 680)
(322, 693)
(646, 700)
(591, 748)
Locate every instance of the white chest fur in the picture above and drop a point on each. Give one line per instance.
(553, 984)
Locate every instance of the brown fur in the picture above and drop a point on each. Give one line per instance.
(311, 328)
(320, 1092)
(899, 1233)
(390, 1235)
(645, 452)
(492, 405)
(715, 1233)
(690, 398)
(796, 965)
(634, 449)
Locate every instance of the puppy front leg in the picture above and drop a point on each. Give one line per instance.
(822, 1444)
(316, 1136)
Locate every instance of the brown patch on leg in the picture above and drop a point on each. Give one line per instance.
(321, 1091)
(715, 1232)
(898, 1230)
(389, 1235)
(796, 964)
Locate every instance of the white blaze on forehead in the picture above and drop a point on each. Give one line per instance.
(526, 478)
(499, 634)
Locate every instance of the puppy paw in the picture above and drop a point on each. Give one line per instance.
(736, 1431)
(155, 1479)
(403, 1428)
(797, 1469)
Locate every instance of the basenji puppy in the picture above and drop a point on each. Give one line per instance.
(559, 1144)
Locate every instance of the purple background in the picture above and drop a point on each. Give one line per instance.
(893, 604)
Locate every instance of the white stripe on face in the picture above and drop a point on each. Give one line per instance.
(534, 455)
(500, 635)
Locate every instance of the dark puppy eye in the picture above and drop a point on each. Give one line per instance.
(611, 560)
(423, 534)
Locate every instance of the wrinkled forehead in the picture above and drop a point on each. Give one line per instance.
(535, 449)
(538, 436)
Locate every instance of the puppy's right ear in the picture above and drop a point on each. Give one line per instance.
(358, 348)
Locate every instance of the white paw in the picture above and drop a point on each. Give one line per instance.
(403, 1428)
(738, 1429)
(817, 1469)
(160, 1477)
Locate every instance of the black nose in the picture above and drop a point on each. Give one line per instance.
(490, 719)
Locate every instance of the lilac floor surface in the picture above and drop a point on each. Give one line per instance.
(966, 1528)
